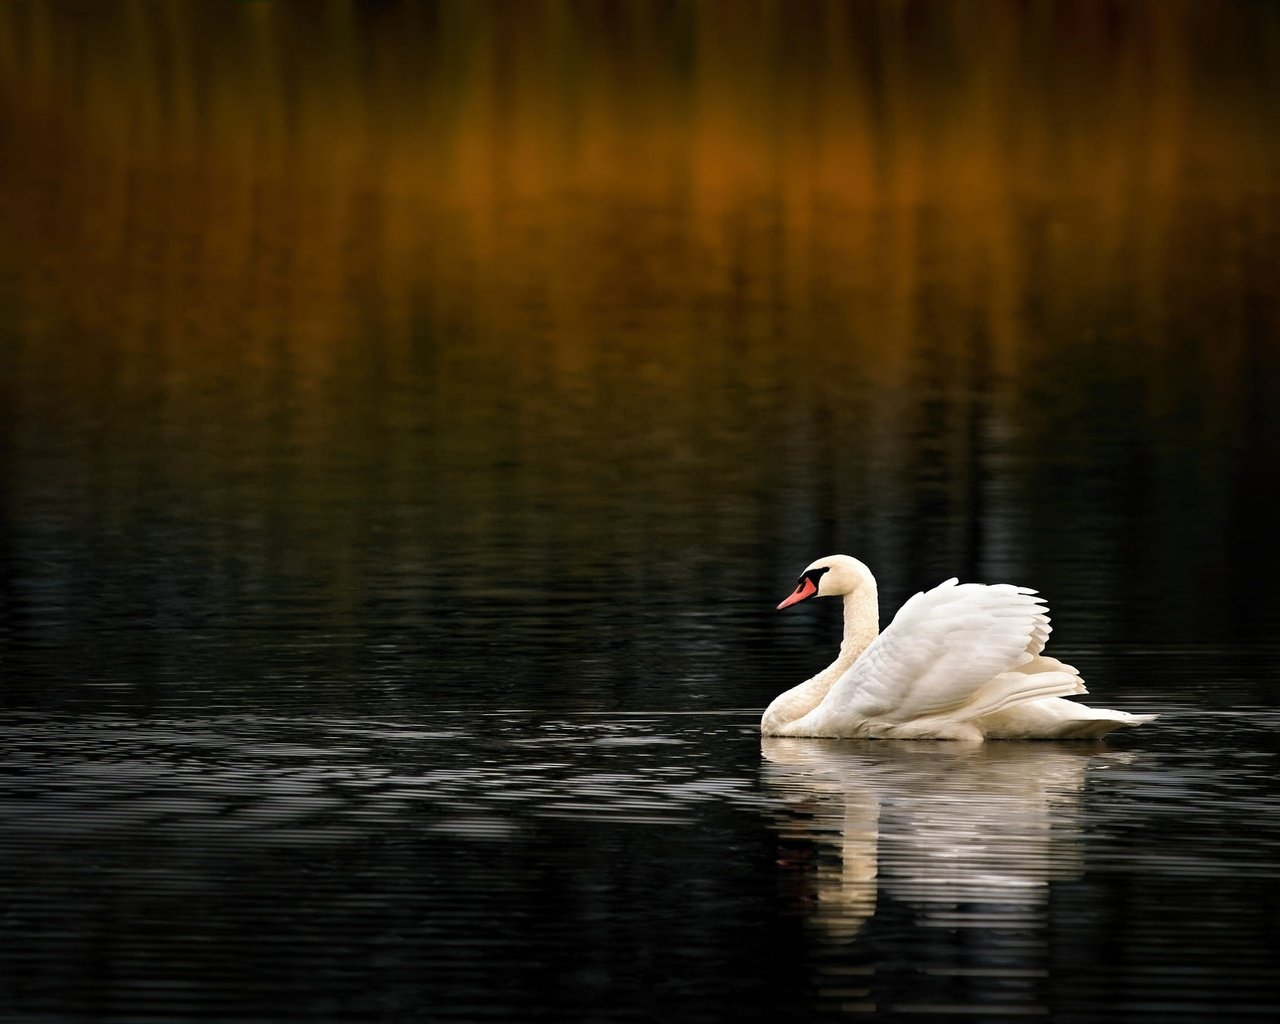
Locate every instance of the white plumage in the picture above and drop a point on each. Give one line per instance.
(960, 661)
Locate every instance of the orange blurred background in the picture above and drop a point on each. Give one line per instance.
(621, 275)
(263, 164)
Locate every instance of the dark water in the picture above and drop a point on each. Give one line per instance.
(411, 415)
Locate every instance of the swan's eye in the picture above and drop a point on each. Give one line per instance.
(815, 577)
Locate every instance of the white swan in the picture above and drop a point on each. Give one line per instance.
(962, 661)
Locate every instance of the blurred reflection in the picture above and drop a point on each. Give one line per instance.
(950, 848)
(329, 316)
(935, 826)
(284, 168)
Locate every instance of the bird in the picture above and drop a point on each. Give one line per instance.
(962, 661)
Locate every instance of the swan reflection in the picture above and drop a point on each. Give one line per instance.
(961, 833)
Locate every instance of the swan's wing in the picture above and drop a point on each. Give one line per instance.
(942, 647)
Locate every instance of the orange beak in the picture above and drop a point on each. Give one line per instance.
(804, 590)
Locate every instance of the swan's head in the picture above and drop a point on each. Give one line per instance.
(829, 577)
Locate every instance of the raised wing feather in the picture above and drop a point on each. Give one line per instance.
(940, 649)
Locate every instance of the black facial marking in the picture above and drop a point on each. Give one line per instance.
(813, 575)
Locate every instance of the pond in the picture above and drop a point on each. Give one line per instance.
(413, 414)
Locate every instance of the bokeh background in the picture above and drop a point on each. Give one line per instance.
(548, 328)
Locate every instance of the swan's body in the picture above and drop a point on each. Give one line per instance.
(962, 661)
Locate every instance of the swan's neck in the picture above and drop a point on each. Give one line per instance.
(861, 626)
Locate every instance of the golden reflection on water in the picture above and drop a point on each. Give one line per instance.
(284, 168)
(579, 260)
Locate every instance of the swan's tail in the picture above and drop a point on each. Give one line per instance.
(1028, 703)
(1038, 678)
(1056, 719)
